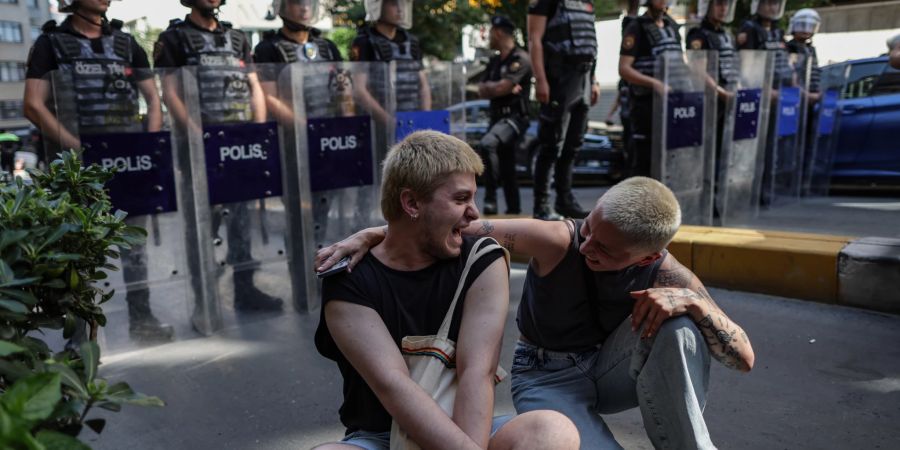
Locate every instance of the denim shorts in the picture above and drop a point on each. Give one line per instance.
(381, 440)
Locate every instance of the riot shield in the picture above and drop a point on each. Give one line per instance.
(330, 143)
(119, 129)
(436, 111)
(237, 184)
(684, 131)
(824, 125)
(784, 156)
(744, 138)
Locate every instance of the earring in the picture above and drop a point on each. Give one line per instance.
(414, 216)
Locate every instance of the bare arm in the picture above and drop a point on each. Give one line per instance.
(274, 104)
(257, 98)
(499, 88)
(37, 92)
(678, 291)
(154, 109)
(363, 339)
(361, 90)
(631, 75)
(172, 97)
(546, 242)
(537, 24)
(424, 91)
(478, 351)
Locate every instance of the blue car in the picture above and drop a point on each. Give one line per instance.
(596, 163)
(868, 145)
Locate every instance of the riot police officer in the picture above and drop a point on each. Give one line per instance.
(228, 93)
(385, 38)
(562, 42)
(803, 25)
(893, 45)
(296, 40)
(507, 82)
(761, 32)
(87, 39)
(647, 37)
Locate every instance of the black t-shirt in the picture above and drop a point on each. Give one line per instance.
(42, 58)
(361, 49)
(411, 303)
(634, 40)
(169, 51)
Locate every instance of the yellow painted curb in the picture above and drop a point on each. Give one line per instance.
(797, 265)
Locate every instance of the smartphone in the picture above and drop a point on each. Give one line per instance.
(335, 269)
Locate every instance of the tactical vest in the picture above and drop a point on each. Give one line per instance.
(662, 40)
(316, 83)
(808, 51)
(570, 32)
(103, 92)
(408, 57)
(773, 40)
(722, 42)
(514, 103)
(221, 73)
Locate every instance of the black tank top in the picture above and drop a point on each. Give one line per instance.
(573, 308)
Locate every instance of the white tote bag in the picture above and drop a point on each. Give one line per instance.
(432, 359)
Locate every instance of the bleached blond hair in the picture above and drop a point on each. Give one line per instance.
(644, 210)
(420, 163)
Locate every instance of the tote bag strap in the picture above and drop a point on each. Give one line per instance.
(474, 256)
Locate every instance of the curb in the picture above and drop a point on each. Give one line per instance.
(841, 270)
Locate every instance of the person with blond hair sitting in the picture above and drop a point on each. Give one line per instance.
(609, 320)
(404, 287)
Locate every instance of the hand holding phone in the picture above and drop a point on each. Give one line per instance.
(339, 267)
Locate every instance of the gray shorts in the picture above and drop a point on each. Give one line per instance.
(371, 440)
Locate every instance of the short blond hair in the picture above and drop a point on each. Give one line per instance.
(644, 210)
(421, 162)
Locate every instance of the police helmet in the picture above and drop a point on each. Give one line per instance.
(805, 20)
(312, 14)
(704, 7)
(669, 3)
(403, 19)
(67, 6)
(504, 23)
(190, 3)
(768, 13)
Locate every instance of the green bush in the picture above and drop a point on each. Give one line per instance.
(56, 235)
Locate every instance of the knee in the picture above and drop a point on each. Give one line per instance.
(542, 429)
(681, 334)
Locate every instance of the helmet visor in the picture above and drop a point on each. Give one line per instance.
(305, 12)
(720, 10)
(768, 9)
(395, 12)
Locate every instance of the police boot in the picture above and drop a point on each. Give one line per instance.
(142, 326)
(568, 206)
(542, 208)
(490, 204)
(247, 297)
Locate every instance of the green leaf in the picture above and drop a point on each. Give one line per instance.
(54, 440)
(122, 393)
(55, 283)
(69, 327)
(90, 354)
(110, 406)
(23, 296)
(14, 306)
(9, 237)
(33, 398)
(8, 348)
(69, 378)
(58, 233)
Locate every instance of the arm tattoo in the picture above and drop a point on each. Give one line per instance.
(678, 276)
(721, 341)
(509, 241)
(486, 228)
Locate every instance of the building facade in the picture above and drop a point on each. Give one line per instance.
(20, 25)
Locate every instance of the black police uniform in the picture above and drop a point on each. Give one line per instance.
(708, 36)
(624, 104)
(570, 54)
(645, 41)
(277, 49)
(809, 51)
(103, 74)
(509, 121)
(753, 35)
(371, 45)
(222, 57)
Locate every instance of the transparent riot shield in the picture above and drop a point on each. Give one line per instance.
(824, 125)
(784, 156)
(745, 126)
(441, 104)
(684, 131)
(330, 136)
(118, 123)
